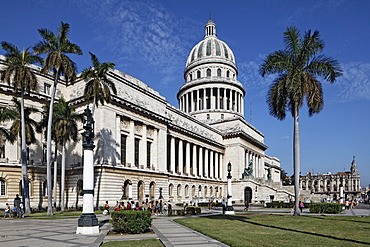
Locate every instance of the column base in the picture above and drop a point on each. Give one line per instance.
(88, 230)
(229, 210)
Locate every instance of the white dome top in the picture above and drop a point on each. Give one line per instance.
(211, 48)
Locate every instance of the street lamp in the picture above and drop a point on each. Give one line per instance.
(88, 223)
(229, 207)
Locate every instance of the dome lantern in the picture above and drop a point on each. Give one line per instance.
(210, 28)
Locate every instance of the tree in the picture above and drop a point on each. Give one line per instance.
(65, 127)
(6, 114)
(19, 73)
(98, 85)
(56, 47)
(298, 67)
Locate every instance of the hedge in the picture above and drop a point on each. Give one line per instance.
(326, 208)
(129, 221)
(277, 204)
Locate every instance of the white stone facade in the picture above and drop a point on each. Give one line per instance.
(146, 147)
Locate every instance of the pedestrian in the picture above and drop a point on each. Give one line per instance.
(15, 211)
(21, 211)
(223, 206)
(301, 206)
(169, 208)
(17, 203)
(7, 211)
(347, 204)
(106, 207)
(185, 205)
(246, 206)
(116, 207)
(160, 207)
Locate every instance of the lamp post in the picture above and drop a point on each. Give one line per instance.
(88, 223)
(229, 207)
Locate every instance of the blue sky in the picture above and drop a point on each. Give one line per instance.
(151, 41)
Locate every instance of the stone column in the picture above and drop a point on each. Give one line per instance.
(173, 162)
(130, 147)
(242, 105)
(206, 163)
(212, 98)
(143, 148)
(181, 160)
(204, 98)
(155, 149)
(217, 176)
(192, 101)
(195, 162)
(201, 162)
(211, 164)
(221, 170)
(118, 138)
(187, 164)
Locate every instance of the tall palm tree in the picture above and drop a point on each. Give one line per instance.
(98, 85)
(56, 47)
(66, 129)
(299, 67)
(19, 73)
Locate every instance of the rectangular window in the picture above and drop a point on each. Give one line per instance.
(148, 154)
(123, 149)
(2, 188)
(2, 151)
(47, 88)
(137, 146)
(44, 153)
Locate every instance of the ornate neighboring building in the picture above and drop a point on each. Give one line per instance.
(326, 187)
(147, 149)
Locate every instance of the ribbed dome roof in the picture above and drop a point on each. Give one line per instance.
(211, 48)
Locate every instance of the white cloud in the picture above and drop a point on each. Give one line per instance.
(143, 32)
(355, 83)
(252, 80)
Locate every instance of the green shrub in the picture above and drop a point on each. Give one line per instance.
(326, 208)
(130, 221)
(193, 210)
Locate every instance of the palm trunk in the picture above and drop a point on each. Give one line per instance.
(63, 171)
(55, 175)
(297, 162)
(25, 185)
(48, 143)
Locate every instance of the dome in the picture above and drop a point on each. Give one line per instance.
(211, 49)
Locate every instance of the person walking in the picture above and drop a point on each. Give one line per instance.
(7, 211)
(17, 203)
(301, 206)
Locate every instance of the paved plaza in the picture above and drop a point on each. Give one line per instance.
(61, 232)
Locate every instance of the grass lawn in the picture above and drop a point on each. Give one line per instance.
(283, 230)
(141, 243)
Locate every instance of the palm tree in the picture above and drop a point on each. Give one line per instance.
(6, 114)
(30, 125)
(298, 67)
(19, 73)
(65, 126)
(56, 48)
(98, 85)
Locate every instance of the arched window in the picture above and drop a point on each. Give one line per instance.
(179, 194)
(170, 189)
(140, 191)
(211, 191)
(205, 191)
(152, 191)
(228, 74)
(2, 187)
(208, 72)
(218, 72)
(198, 74)
(193, 190)
(186, 190)
(190, 77)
